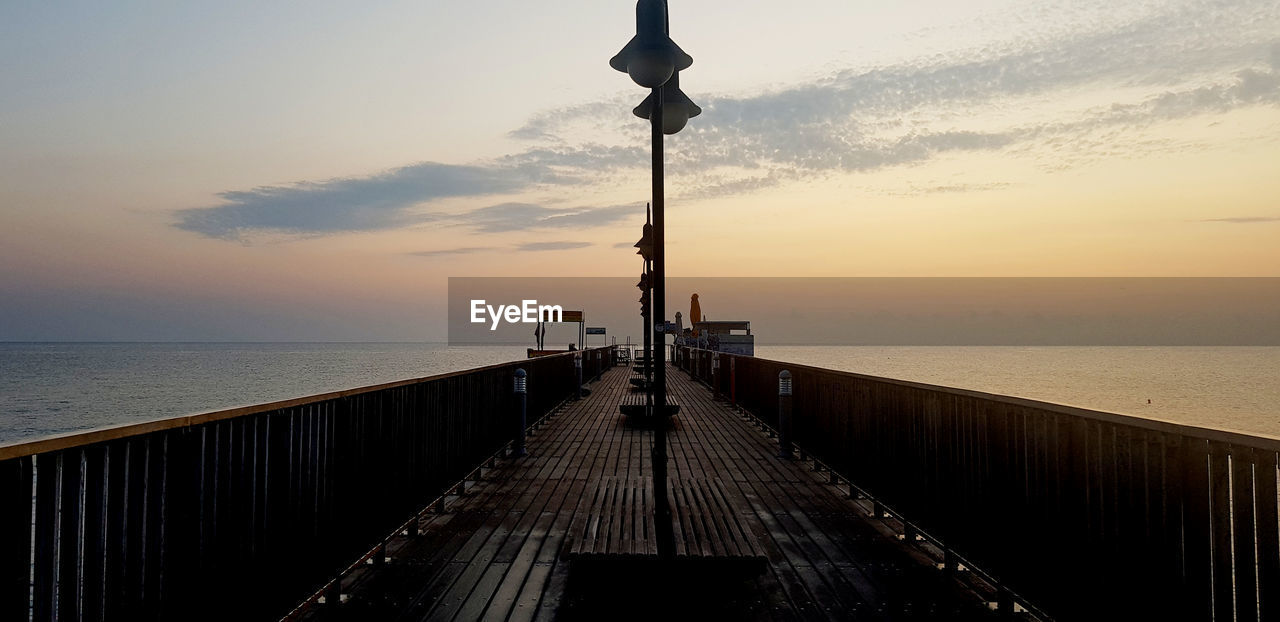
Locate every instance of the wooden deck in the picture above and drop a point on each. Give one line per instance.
(517, 544)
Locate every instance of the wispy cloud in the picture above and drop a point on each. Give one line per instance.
(552, 246)
(1175, 61)
(1244, 219)
(526, 216)
(376, 202)
(465, 250)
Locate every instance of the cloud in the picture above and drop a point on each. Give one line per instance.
(466, 250)
(1244, 219)
(551, 246)
(1169, 65)
(946, 188)
(625, 245)
(525, 216)
(1148, 64)
(371, 203)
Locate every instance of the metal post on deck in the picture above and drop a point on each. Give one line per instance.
(522, 402)
(715, 376)
(784, 415)
(654, 61)
(662, 509)
(577, 365)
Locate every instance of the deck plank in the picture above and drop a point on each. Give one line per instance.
(503, 550)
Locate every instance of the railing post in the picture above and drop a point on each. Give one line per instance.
(733, 381)
(521, 406)
(1004, 603)
(784, 415)
(333, 594)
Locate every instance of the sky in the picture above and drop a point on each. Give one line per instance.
(317, 171)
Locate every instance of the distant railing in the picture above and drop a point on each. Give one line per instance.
(242, 513)
(1086, 515)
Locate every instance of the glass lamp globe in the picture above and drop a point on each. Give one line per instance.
(674, 117)
(651, 66)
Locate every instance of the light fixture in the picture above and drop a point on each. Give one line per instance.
(651, 57)
(677, 108)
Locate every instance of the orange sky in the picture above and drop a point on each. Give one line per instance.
(275, 175)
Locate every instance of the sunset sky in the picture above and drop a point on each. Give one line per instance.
(316, 171)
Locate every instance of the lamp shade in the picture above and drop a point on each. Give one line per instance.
(651, 57)
(677, 108)
(646, 242)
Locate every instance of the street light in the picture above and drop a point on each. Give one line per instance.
(652, 60)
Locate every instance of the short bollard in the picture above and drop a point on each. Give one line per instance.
(522, 405)
(715, 377)
(784, 415)
(577, 364)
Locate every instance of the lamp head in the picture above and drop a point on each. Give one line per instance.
(651, 57)
(646, 243)
(677, 108)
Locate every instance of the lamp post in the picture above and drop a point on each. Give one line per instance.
(652, 60)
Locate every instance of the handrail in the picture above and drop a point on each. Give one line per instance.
(1222, 435)
(244, 512)
(1083, 514)
(65, 440)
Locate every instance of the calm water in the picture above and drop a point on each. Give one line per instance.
(53, 388)
(1236, 388)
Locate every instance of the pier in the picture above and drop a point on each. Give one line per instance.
(407, 501)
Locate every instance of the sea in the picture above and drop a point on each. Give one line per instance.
(56, 388)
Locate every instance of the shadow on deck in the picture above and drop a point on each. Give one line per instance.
(566, 533)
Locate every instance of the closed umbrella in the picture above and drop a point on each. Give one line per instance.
(695, 313)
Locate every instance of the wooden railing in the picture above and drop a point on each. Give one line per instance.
(242, 513)
(1085, 515)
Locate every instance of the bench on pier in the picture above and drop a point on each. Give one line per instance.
(619, 522)
(706, 524)
(633, 404)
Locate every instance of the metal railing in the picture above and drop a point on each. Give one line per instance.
(1083, 514)
(245, 512)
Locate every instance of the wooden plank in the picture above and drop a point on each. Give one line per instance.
(525, 480)
(497, 553)
(805, 587)
(627, 517)
(651, 539)
(769, 477)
